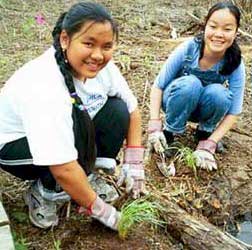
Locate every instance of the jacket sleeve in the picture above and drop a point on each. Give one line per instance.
(237, 86)
(171, 66)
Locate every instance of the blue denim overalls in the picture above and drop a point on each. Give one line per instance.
(206, 77)
(196, 95)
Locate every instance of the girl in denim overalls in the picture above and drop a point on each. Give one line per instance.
(202, 80)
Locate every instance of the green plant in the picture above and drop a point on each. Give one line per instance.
(185, 155)
(3, 3)
(28, 25)
(137, 212)
(56, 244)
(125, 62)
(20, 242)
(19, 216)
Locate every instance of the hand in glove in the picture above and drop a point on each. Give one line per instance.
(156, 138)
(132, 172)
(103, 212)
(204, 155)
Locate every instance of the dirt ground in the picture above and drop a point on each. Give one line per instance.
(146, 39)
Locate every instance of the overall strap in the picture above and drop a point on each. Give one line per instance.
(189, 57)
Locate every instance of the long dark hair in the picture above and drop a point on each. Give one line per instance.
(72, 22)
(232, 57)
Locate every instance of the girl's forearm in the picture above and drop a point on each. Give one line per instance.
(155, 102)
(134, 137)
(72, 178)
(225, 125)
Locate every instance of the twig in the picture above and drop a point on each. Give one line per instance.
(249, 247)
(8, 195)
(145, 92)
(244, 33)
(109, 179)
(198, 20)
(4, 26)
(180, 178)
(241, 132)
(68, 209)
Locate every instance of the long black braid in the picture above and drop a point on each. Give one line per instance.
(82, 124)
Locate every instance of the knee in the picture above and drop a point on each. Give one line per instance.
(220, 96)
(187, 86)
(120, 110)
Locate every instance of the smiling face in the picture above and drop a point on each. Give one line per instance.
(220, 32)
(90, 49)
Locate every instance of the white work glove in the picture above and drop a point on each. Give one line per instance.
(204, 155)
(103, 212)
(156, 139)
(132, 171)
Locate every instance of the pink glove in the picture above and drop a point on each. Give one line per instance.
(204, 155)
(103, 212)
(156, 138)
(132, 172)
(154, 125)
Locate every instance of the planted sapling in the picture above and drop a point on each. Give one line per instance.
(137, 212)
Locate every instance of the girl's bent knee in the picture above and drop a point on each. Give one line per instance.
(188, 86)
(120, 110)
(219, 94)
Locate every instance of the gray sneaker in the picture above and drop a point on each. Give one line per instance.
(42, 212)
(105, 191)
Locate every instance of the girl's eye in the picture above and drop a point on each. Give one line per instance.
(108, 47)
(89, 45)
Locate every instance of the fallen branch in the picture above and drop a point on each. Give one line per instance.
(196, 233)
(244, 33)
(196, 19)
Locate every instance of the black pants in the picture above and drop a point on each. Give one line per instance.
(111, 127)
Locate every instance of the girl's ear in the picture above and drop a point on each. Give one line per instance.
(64, 40)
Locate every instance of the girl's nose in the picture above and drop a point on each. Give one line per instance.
(219, 33)
(97, 54)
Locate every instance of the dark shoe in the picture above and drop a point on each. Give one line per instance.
(168, 136)
(172, 149)
(201, 135)
(220, 147)
(173, 145)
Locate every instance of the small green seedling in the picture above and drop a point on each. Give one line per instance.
(57, 244)
(137, 212)
(20, 242)
(28, 25)
(185, 155)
